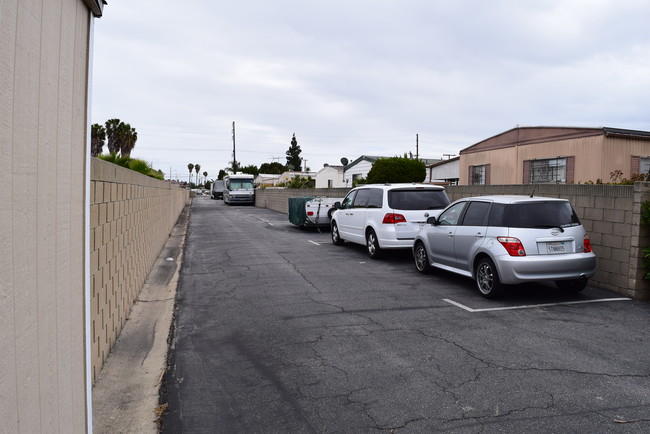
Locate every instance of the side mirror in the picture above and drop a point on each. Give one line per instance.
(337, 205)
(432, 221)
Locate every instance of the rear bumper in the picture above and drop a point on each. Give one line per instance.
(513, 269)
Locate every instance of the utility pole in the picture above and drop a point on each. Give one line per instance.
(234, 157)
(417, 147)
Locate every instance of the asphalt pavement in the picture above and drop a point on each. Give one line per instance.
(277, 330)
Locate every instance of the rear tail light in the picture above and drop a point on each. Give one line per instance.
(586, 244)
(310, 212)
(512, 245)
(392, 218)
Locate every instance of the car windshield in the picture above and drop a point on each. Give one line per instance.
(417, 199)
(542, 215)
(236, 184)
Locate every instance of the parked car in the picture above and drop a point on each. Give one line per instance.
(501, 240)
(385, 216)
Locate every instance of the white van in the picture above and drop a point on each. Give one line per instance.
(386, 216)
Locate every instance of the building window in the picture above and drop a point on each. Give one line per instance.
(644, 165)
(330, 183)
(479, 175)
(548, 171)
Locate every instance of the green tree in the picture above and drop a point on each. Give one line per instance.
(299, 182)
(294, 162)
(274, 168)
(190, 167)
(250, 169)
(397, 169)
(97, 139)
(221, 174)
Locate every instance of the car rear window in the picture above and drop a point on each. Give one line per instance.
(541, 215)
(417, 199)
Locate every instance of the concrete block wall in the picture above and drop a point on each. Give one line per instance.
(131, 218)
(278, 198)
(610, 213)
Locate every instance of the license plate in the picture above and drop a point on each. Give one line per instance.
(555, 247)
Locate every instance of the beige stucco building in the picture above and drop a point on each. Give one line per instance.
(527, 155)
(45, 52)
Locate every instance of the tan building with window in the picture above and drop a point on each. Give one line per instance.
(528, 155)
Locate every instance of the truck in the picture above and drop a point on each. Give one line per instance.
(217, 189)
(239, 188)
(308, 211)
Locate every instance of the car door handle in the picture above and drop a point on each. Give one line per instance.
(450, 234)
(479, 235)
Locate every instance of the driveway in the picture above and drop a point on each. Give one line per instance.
(278, 330)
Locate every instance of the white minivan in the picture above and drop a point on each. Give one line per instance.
(386, 216)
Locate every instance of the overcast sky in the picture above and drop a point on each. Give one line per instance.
(362, 77)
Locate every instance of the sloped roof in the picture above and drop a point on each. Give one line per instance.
(443, 162)
(530, 135)
(369, 158)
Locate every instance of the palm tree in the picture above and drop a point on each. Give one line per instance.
(112, 134)
(197, 167)
(97, 139)
(205, 177)
(190, 167)
(128, 137)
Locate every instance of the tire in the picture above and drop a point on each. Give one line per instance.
(487, 279)
(421, 258)
(336, 236)
(329, 213)
(572, 286)
(372, 245)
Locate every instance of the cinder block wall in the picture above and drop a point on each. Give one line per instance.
(131, 218)
(278, 198)
(610, 213)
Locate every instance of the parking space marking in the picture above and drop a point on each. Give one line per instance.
(532, 306)
(314, 242)
(261, 219)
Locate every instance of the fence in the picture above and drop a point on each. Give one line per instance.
(131, 218)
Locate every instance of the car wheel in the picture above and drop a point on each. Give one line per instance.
(374, 251)
(336, 237)
(573, 286)
(421, 258)
(487, 279)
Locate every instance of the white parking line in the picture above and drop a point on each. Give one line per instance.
(260, 219)
(314, 242)
(531, 306)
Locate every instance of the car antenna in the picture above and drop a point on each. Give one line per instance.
(542, 171)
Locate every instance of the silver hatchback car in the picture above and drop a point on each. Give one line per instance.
(499, 240)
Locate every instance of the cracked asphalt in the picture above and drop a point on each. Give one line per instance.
(276, 330)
